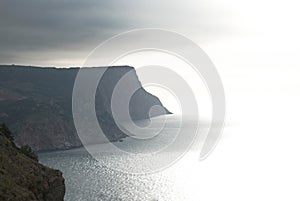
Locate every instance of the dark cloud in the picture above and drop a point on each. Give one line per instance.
(53, 31)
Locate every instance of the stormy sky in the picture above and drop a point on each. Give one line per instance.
(63, 32)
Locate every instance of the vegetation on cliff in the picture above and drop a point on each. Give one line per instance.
(22, 178)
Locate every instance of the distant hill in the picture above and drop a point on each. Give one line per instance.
(23, 178)
(36, 103)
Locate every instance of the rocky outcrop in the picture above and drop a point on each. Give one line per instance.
(22, 178)
(36, 103)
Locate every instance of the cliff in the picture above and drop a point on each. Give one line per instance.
(36, 103)
(22, 178)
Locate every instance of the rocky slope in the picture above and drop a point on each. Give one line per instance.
(36, 103)
(22, 178)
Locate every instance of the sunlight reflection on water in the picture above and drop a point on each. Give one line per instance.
(89, 179)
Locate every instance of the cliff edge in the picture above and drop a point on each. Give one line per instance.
(36, 103)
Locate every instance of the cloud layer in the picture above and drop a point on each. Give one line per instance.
(62, 33)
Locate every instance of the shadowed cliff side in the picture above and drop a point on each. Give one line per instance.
(23, 178)
(36, 103)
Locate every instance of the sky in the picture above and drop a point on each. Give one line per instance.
(254, 45)
(62, 33)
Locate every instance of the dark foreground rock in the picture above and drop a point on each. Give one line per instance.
(23, 179)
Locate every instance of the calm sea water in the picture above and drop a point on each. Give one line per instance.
(90, 179)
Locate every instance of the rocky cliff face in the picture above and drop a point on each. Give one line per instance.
(36, 103)
(22, 178)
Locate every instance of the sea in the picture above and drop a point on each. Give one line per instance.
(142, 169)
